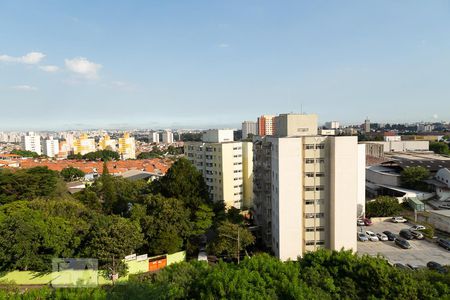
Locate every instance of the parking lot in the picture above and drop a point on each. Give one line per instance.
(421, 252)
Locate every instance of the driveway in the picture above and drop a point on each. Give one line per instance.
(422, 251)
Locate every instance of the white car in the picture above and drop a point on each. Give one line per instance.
(382, 237)
(372, 236)
(399, 220)
(360, 222)
(417, 227)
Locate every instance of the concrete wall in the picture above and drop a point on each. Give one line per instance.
(296, 125)
(247, 173)
(361, 204)
(343, 192)
(439, 221)
(287, 188)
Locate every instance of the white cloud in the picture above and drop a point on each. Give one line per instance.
(30, 58)
(49, 68)
(83, 67)
(24, 88)
(224, 45)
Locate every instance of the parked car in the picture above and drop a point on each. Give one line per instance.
(399, 220)
(202, 256)
(360, 222)
(415, 267)
(432, 265)
(367, 222)
(405, 233)
(402, 243)
(372, 236)
(391, 236)
(444, 243)
(362, 237)
(417, 227)
(382, 237)
(416, 234)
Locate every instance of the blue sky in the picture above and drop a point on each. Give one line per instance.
(205, 64)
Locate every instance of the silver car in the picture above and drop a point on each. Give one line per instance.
(362, 237)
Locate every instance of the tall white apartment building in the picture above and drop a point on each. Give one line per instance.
(154, 137)
(332, 125)
(31, 142)
(248, 127)
(226, 165)
(167, 137)
(309, 187)
(50, 147)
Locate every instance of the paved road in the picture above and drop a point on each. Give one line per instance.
(422, 251)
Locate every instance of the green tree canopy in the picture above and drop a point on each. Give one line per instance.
(383, 206)
(71, 174)
(25, 153)
(226, 242)
(28, 184)
(413, 177)
(103, 155)
(439, 148)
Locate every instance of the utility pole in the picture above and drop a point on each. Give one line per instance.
(239, 247)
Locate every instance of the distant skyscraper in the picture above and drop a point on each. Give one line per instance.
(248, 127)
(31, 142)
(50, 147)
(127, 147)
(367, 126)
(332, 125)
(266, 125)
(167, 137)
(154, 137)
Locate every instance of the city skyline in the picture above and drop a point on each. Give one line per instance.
(213, 65)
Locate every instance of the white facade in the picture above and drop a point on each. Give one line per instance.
(31, 142)
(167, 137)
(316, 189)
(361, 206)
(50, 147)
(218, 136)
(248, 127)
(154, 137)
(332, 125)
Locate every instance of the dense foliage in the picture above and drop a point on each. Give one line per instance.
(71, 174)
(110, 219)
(413, 177)
(103, 155)
(439, 148)
(383, 206)
(29, 184)
(25, 153)
(318, 275)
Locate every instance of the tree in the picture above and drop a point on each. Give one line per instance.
(439, 148)
(183, 181)
(412, 177)
(108, 190)
(112, 238)
(25, 153)
(28, 184)
(29, 240)
(383, 206)
(229, 235)
(148, 155)
(165, 223)
(103, 155)
(203, 219)
(71, 174)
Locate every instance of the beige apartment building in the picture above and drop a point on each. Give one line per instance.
(226, 165)
(307, 188)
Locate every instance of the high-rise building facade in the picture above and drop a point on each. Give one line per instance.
(127, 146)
(226, 165)
(307, 189)
(332, 125)
(31, 142)
(266, 125)
(106, 143)
(83, 145)
(50, 147)
(248, 127)
(154, 137)
(367, 126)
(167, 137)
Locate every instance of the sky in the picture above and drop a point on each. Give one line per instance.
(208, 64)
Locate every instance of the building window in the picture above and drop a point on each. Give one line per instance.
(309, 146)
(309, 188)
(320, 146)
(320, 160)
(309, 174)
(320, 188)
(309, 202)
(309, 160)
